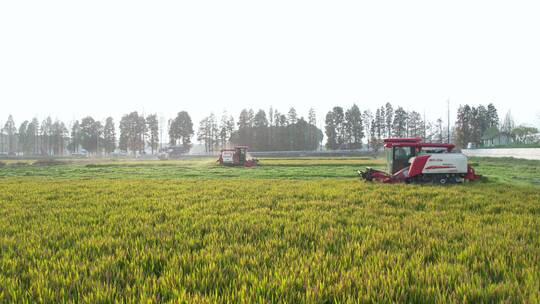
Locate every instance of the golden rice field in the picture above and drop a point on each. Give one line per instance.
(141, 233)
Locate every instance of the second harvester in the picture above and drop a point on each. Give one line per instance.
(238, 156)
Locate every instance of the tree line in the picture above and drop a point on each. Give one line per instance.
(138, 133)
(345, 129)
(351, 128)
(481, 124)
(33, 137)
(261, 131)
(272, 130)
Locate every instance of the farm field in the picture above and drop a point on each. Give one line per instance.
(292, 230)
(507, 170)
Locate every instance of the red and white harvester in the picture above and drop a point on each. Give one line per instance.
(410, 160)
(236, 157)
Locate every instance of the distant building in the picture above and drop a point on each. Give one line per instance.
(499, 139)
(535, 138)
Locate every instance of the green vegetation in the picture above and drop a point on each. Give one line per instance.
(292, 230)
(308, 168)
(508, 170)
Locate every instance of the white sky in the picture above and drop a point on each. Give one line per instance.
(69, 59)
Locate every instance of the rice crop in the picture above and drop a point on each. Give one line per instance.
(71, 237)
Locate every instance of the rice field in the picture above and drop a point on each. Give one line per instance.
(289, 231)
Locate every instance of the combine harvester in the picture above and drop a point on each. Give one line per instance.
(410, 160)
(236, 157)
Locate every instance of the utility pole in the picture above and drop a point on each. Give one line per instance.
(322, 139)
(448, 109)
(161, 123)
(424, 124)
(97, 143)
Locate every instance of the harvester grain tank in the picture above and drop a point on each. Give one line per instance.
(238, 156)
(410, 160)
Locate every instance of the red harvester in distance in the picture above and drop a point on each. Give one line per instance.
(410, 160)
(236, 157)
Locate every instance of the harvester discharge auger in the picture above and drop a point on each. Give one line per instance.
(410, 160)
(238, 156)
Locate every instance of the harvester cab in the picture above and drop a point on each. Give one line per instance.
(238, 156)
(412, 161)
(397, 157)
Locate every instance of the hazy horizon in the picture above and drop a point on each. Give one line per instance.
(108, 58)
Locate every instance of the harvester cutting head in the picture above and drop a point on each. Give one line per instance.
(412, 161)
(238, 156)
